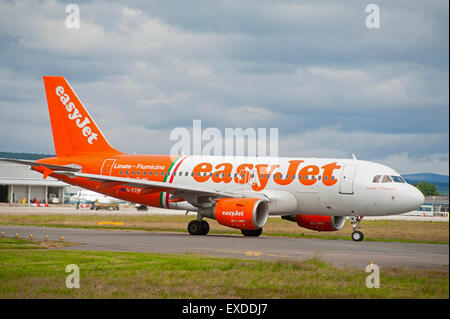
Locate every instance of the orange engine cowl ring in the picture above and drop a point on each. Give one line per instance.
(242, 213)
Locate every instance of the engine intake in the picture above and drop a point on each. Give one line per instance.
(242, 213)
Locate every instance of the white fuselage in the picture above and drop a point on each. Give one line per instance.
(349, 189)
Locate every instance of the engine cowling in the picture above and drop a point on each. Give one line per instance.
(242, 213)
(320, 223)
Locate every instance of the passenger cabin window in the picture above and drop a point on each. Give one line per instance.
(398, 179)
(386, 179)
(376, 179)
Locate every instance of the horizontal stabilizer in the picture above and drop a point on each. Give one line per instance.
(65, 168)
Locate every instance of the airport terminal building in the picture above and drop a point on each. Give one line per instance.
(20, 184)
(437, 205)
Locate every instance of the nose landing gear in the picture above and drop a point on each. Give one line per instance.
(356, 235)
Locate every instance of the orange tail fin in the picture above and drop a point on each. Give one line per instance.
(74, 131)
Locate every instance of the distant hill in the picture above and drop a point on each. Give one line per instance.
(427, 177)
(26, 156)
(440, 181)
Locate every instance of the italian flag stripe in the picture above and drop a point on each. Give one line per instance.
(164, 197)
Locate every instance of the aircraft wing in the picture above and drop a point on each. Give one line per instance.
(67, 168)
(178, 188)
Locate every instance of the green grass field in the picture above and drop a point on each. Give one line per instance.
(29, 270)
(429, 232)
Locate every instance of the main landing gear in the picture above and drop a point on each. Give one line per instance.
(198, 227)
(251, 232)
(201, 227)
(356, 235)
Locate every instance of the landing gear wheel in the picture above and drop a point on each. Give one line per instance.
(251, 232)
(357, 236)
(205, 227)
(195, 227)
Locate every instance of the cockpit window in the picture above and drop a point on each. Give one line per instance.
(376, 179)
(398, 179)
(386, 179)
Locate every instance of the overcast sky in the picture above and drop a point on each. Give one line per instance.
(312, 69)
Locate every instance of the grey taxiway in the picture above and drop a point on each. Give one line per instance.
(337, 252)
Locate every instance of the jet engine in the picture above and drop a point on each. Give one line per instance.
(318, 222)
(242, 213)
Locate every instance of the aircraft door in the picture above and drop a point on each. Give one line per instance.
(347, 179)
(107, 166)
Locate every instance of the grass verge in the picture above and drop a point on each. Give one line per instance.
(429, 232)
(40, 273)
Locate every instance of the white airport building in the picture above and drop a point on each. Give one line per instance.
(434, 206)
(20, 184)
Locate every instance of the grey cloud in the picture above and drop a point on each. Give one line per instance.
(307, 68)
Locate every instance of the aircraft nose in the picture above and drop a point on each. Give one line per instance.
(415, 198)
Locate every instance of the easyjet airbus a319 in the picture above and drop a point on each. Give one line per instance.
(238, 192)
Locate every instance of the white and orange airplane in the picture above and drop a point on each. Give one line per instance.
(238, 192)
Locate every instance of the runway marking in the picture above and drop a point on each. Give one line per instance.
(247, 253)
(111, 223)
(253, 253)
